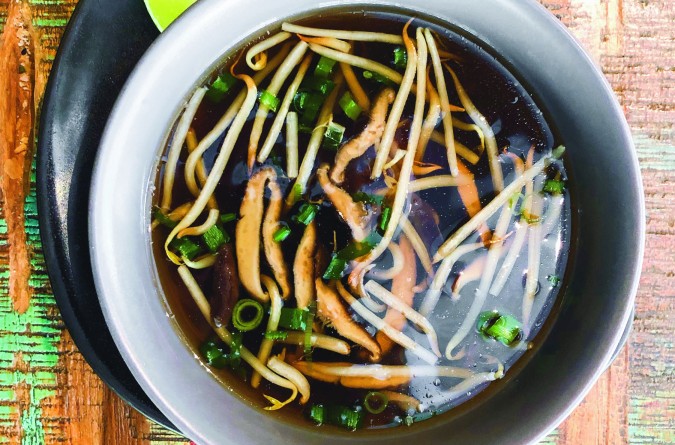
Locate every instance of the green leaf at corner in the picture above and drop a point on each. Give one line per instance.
(163, 12)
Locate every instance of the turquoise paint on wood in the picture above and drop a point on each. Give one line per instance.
(32, 337)
(654, 154)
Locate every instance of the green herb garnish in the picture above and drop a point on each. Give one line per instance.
(247, 314)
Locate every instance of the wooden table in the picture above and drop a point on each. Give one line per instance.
(48, 393)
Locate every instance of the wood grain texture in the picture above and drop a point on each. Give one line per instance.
(49, 394)
(634, 44)
(17, 111)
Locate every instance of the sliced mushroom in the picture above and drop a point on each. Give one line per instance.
(402, 287)
(317, 340)
(323, 372)
(369, 136)
(225, 286)
(303, 268)
(273, 252)
(404, 401)
(373, 382)
(331, 310)
(353, 213)
(379, 376)
(248, 233)
(468, 192)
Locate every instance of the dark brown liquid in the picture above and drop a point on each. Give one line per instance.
(518, 125)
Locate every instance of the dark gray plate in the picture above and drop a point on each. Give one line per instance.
(101, 45)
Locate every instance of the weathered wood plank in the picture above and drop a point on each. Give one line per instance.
(28, 324)
(602, 416)
(651, 392)
(632, 41)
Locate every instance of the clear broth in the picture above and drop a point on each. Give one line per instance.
(518, 124)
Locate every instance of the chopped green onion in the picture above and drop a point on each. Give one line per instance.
(379, 400)
(276, 335)
(216, 357)
(377, 77)
(506, 330)
(220, 362)
(296, 193)
(237, 342)
(304, 128)
(337, 415)
(307, 105)
(349, 106)
(318, 84)
(357, 249)
(352, 251)
(186, 247)
(332, 138)
(336, 268)
(234, 356)
(554, 186)
(554, 280)
(400, 57)
(317, 413)
(345, 417)
(281, 233)
(324, 67)
(210, 351)
(306, 213)
(487, 319)
(268, 99)
(221, 87)
(247, 314)
(295, 319)
(385, 216)
(308, 332)
(164, 220)
(215, 237)
(368, 198)
(228, 217)
(503, 328)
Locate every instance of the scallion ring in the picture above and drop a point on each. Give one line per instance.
(379, 400)
(247, 314)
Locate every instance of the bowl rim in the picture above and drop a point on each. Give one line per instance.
(129, 125)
